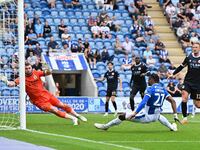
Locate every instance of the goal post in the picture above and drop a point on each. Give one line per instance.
(22, 93)
(12, 104)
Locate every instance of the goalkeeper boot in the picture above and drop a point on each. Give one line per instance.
(174, 127)
(75, 121)
(100, 126)
(106, 114)
(184, 121)
(82, 118)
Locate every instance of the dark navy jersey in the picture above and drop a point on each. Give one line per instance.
(137, 70)
(112, 79)
(193, 73)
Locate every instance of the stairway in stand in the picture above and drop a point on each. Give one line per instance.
(162, 28)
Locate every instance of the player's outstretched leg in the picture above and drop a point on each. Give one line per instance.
(113, 122)
(165, 122)
(61, 114)
(70, 110)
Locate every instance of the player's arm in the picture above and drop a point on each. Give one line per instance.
(47, 72)
(173, 104)
(146, 71)
(140, 106)
(184, 64)
(100, 79)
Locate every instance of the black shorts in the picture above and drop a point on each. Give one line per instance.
(193, 89)
(137, 88)
(111, 92)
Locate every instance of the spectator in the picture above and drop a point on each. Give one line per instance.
(185, 39)
(118, 47)
(28, 50)
(102, 16)
(86, 44)
(37, 65)
(9, 38)
(66, 49)
(159, 46)
(89, 55)
(194, 38)
(74, 48)
(141, 8)
(151, 44)
(67, 3)
(52, 3)
(61, 27)
(163, 57)
(39, 28)
(38, 50)
(108, 4)
(47, 30)
(133, 11)
(91, 22)
(14, 75)
(81, 46)
(65, 36)
(105, 31)
(99, 4)
(126, 63)
(96, 30)
(162, 71)
(29, 27)
(76, 4)
(151, 63)
(127, 46)
(173, 90)
(52, 45)
(146, 54)
(105, 56)
(32, 59)
(31, 38)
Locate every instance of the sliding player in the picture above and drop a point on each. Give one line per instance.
(192, 79)
(42, 98)
(152, 103)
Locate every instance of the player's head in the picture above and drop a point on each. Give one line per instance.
(110, 65)
(137, 59)
(196, 48)
(28, 69)
(153, 78)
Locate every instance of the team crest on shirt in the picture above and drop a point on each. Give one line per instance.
(139, 68)
(35, 77)
(199, 61)
(113, 73)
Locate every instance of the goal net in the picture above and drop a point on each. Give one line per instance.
(9, 65)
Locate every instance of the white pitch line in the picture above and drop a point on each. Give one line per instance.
(152, 141)
(83, 139)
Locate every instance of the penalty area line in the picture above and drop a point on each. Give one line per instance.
(83, 139)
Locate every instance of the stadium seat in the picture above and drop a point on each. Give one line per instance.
(125, 84)
(101, 66)
(96, 74)
(102, 91)
(2, 84)
(120, 93)
(78, 13)
(14, 91)
(86, 14)
(62, 13)
(5, 91)
(100, 84)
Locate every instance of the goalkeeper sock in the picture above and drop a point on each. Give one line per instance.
(113, 122)
(114, 105)
(106, 106)
(61, 114)
(184, 109)
(67, 108)
(165, 122)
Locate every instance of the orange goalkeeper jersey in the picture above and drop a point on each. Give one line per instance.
(34, 86)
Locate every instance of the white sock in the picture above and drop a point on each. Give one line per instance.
(193, 110)
(70, 117)
(113, 122)
(165, 122)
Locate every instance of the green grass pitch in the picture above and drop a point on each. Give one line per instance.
(153, 136)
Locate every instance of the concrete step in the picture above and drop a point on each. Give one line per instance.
(167, 37)
(177, 59)
(163, 29)
(175, 51)
(171, 44)
(156, 14)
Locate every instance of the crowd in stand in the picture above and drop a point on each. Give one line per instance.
(141, 39)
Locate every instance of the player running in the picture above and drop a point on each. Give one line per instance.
(192, 80)
(139, 71)
(152, 103)
(42, 98)
(112, 78)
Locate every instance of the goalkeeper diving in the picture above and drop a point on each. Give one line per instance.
(42, 98)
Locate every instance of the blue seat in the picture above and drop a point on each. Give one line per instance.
(79, 35)
(5, 92)
(73, 20)
(2, 84)
(125, 84)
(54, 13)
(94, 13)
(117, 14)
(70, 12)
(91, 7)
(111, 51)
(57, 21)
(120, 93)
(86, 13)
(102, 91)
(78, 13)
(125, 14)
(77, 28)
(101, 66)
(14, 91)
(87, 35)
(5, 58)
(107, 44)
(59, 6)
(100, 84)
(96, 74)
(82, 21)
(38, 12)
(46, 12)
(129, 22)
(99, 44)
(30, 13)
(62, 13)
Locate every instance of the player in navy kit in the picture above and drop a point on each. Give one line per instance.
(151, 103)
(112, 78)
(192, 79)
(138, 82)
